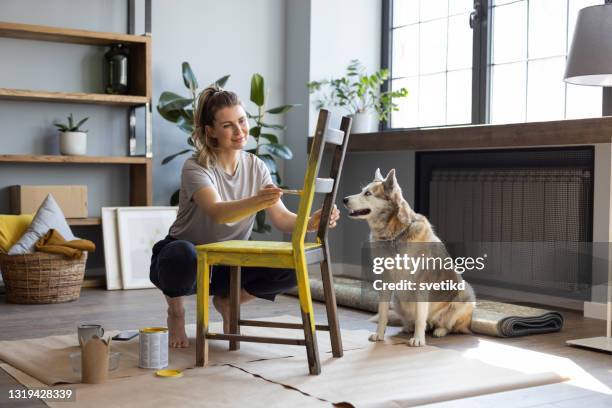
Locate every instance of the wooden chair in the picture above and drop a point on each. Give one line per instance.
(295, 254)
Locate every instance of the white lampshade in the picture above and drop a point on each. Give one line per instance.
(590, 58)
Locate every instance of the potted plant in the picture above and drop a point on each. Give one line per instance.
(73, 140)
(178, 109)
(359, 93)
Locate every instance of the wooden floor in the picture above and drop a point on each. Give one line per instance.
(140, 308)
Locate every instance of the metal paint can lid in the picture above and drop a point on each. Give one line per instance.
(154, 330)
(169, 373)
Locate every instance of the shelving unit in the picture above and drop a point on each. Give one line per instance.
(140, 94)
(72, 97)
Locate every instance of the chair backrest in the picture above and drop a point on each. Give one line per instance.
(313, 184)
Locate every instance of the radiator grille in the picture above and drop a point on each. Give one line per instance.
(533, 222)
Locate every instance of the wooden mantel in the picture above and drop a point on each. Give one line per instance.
(562, 132)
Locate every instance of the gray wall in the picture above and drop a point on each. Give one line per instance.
(238, 38)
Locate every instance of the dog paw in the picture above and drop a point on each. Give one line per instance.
(376, 337)
(440, 332)
(416, 342)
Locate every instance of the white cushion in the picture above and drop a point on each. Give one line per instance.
(48, 216)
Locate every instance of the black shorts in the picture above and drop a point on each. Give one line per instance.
(174, 271)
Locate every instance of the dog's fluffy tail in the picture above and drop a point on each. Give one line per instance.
(394, 319)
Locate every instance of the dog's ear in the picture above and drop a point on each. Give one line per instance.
(378, 176)
(390, 182)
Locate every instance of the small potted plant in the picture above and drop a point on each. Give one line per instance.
(73, 140)
(359, 93)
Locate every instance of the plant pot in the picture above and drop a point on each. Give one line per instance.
(73, 143)
(364, 122)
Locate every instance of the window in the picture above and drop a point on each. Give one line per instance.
(431, 54)
(432, 58)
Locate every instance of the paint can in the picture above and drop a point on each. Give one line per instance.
(153, 347)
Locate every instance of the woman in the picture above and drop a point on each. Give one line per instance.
(222, 188)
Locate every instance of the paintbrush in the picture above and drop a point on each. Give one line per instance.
(288, 191)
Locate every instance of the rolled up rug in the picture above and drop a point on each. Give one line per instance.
(490, 318)
(508, 320)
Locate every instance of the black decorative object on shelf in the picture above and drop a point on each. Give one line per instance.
(116, 80)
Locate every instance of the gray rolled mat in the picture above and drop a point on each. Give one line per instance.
(490, 318)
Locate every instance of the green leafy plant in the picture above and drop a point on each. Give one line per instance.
(357, 92)
(267, 146)
(180, 110)
(71, 126)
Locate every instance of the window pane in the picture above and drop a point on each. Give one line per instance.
(432, 50)
(510, 32)
(507, 93)
(432, 99)
(499, 2)
(459, 97)
(460, 40)
(583, 101)
(405, 12)
(547, 28)
(431, 9)
(408, 114)
(460, 7)
(545, 89)
(405, 51)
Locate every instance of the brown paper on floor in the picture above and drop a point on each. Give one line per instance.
(219, 387)
(386, 375)
(47, 359)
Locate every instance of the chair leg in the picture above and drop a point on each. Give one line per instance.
(330, 305)
(312, 351)
(234, 305)
(203, 282)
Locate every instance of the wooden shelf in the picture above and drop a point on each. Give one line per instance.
(72, 97)
(84, 221)
(66, 35)
(28, 158)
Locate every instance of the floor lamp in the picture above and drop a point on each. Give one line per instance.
(589, 62)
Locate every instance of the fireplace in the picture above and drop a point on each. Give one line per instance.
(529, 210)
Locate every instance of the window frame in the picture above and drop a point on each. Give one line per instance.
(481, 63)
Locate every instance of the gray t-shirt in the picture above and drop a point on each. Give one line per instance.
(192, 223)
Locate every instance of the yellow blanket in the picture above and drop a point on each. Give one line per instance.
(53, 242)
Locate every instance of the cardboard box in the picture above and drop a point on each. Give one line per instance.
(71, 199)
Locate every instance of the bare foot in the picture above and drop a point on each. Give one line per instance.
(176, 327)
(223, 307)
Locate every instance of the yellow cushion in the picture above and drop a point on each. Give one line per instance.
(12, 227)
(254, 247)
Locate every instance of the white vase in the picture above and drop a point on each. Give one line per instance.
(364, 122)
(73, 143)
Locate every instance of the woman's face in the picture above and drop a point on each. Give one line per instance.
(231, 128)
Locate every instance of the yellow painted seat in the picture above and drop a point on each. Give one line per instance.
(296, 254)
(255, 247)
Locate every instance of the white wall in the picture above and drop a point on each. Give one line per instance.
(342, 30)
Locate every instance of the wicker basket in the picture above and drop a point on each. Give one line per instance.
(42, 278)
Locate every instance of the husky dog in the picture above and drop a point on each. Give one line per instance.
(391, 220)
